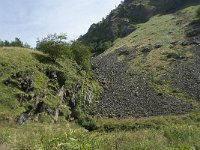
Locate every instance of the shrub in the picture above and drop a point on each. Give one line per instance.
(55, 46)
(87, 123)
(82, 55)
(102, 46)
(83, 120)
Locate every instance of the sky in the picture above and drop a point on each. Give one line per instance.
(32, 19)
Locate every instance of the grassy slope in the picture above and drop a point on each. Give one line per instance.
(164, 132)
(159, 30)
(13, 60)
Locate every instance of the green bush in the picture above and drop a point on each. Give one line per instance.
(83, 120)
(55, 46)
(87, 123)
(82, 55)
(102, 46)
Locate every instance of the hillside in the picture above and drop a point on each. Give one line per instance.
(124, 19)
(33, 88)
(143, 92)
(154, 70)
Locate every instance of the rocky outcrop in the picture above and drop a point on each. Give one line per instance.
(54, 101)
(36, 102)
(20, 80)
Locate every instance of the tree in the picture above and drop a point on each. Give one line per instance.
(17, 43)
(81, 55)
(102, 46)
(6, 43)
(26, 45)
(55, 46)
(1, 43)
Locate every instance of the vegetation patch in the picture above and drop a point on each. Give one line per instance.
(35, 90)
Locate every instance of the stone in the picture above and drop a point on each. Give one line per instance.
(22, 118)
(145, 50)
(158, 46)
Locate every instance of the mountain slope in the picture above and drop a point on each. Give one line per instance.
(151, 81)
(154, 70)
(124, 19)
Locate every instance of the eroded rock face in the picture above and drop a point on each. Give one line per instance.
(33, 100)
(22, 118)
(36, 102)
(20, 80)
(130, 95)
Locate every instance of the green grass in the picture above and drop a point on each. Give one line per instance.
(173, 133)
